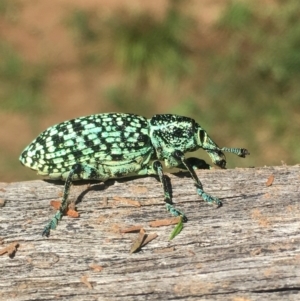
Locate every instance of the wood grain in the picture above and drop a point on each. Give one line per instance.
(249, 249)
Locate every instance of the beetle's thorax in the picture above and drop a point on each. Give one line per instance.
(172, 132)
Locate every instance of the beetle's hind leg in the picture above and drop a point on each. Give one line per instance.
(179, 155)
(78, 171)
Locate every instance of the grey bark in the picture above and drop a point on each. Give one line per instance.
(249, 249)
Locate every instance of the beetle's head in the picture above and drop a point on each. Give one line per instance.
(214, 151)
(172, 132)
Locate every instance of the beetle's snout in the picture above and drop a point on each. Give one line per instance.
(221, 163)
(218, 157)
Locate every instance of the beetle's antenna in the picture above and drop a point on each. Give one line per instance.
(241, 152)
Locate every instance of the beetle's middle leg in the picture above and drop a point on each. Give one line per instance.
(157, 169)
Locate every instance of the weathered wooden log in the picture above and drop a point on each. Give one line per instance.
(249, 249)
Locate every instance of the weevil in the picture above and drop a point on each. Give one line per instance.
(115, 145)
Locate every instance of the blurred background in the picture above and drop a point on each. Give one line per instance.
(234, 66)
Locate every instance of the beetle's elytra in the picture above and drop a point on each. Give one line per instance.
(115, 145)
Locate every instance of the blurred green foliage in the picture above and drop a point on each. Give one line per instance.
(86, 29)
(246, 86)
(128, 100)
(255, 78)
(9, 8)
(144, 46)
(149, 47)
(237, 77)
(21, 84)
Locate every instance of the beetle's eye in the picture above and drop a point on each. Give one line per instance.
(201, 136)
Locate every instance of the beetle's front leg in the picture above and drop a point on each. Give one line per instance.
(179, 155)
(157, 169)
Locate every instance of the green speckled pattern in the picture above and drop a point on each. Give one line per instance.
(115, 145)
(88, 140)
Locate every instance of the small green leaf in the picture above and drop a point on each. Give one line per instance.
(177, 229)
